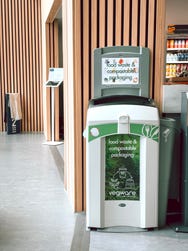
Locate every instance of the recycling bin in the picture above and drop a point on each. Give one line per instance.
(169, 131)
(184, 127)
(122, 154)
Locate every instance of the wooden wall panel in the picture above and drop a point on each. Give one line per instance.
(21, 60)
(110, 23)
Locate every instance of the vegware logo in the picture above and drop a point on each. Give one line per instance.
(130, 193)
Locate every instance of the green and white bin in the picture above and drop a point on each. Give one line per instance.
(122, 162)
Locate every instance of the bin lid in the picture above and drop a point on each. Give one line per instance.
(173, 123)
(122, 99)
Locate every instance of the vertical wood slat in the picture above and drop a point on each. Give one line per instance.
(159, 51)
(94, 37)
(87, 68)
(78, 122)
(142, 26)
(118, 28)
(134, 23)
(30, 67)
(14, 82)
(86, 58)
(10, 26)
(38, 66)
(34, 105)
(2, 64)
(27, 94)
(8, 67)
(20, 57)
(23, 63)
(110, 21)
(151, 41)
(102, 8)
(126, 22)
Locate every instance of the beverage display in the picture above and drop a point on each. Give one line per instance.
(177, 43)
(177, 58)
(176, 70)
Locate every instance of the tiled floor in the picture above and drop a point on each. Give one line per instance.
(35, 214)
(34, 211)
(157, 240)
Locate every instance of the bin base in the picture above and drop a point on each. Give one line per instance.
(121, 229)
(182, 229)
(53, 143)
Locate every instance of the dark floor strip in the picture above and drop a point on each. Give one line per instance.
(81, 238)
(58, 161)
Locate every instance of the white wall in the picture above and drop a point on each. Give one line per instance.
(69, 112)
(69, 137)
(46, 6)
(176, 12)
(45, 9)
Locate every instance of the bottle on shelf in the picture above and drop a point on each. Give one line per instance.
(168, 44)
(179, 43)
(183, 43)
(167, 70)
(176, 43)
(172, 43)
(186, 43)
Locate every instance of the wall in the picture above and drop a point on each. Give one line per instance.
(21, 61)
(45, 10)
(73, 181)
(49, 10)
(89, 24)
(109, 23)
(176, 12)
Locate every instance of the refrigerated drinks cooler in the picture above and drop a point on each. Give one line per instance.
(122, 142)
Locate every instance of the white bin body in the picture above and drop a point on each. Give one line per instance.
(121, 197)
